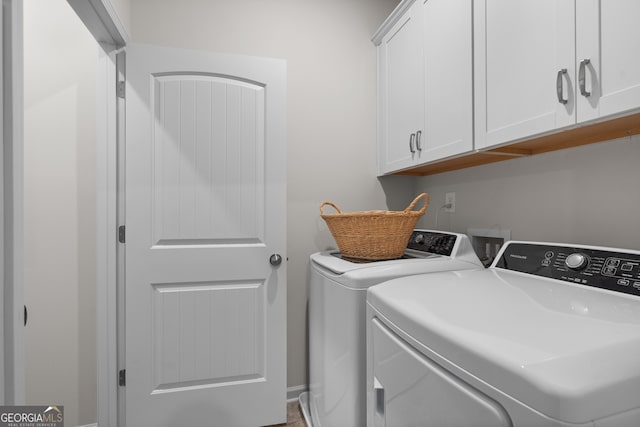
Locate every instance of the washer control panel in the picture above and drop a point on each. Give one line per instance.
(432, 242)
(599, 267)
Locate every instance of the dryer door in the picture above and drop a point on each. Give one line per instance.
(411, 390)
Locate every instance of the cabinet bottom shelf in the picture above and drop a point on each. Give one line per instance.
(587, 134)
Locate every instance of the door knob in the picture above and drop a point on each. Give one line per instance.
(275, 259)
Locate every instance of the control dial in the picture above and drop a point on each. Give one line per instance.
(419, 239)
(577, 261)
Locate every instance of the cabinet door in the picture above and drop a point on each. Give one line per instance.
(520, 48)
(448, 78)
(607, 46)
(401, 92)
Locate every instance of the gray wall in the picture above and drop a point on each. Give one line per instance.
(59, 203)
(588, 194)
(123, 11)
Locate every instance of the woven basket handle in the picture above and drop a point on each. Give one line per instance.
(329, 204)
(424, 196)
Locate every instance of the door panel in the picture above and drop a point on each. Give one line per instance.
(205, 207)
(208, 155)
(192, 349)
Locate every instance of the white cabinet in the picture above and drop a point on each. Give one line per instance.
(425, 92)
(608, 43)
(544, 65)
(519, 48)
(448, 74)
(463, 83)
(400, 93)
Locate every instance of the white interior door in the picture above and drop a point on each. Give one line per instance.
(205, 209)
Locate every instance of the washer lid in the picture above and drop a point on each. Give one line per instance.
(570, 352)
(362, 276)
(333, 261)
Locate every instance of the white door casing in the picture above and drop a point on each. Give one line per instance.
(205, 209)
(101, 19)
(11, 206)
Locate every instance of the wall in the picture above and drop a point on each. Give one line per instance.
(123, 11)
(585, 195)
(331, 117)
(59, 196)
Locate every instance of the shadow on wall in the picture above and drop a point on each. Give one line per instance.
(323, 238)
(399, 191)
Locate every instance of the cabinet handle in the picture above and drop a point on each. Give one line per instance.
(582, 81)
(418, 143)
(411, 143)
(560, 86)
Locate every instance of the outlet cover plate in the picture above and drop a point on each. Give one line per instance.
(450, 198)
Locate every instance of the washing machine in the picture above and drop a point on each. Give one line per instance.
(549, 335)
(337, 323)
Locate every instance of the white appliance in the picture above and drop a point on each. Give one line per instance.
(549, 335)
(337, 322)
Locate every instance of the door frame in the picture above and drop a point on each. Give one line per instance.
(12, 390)
(102, 21)
(100, 18)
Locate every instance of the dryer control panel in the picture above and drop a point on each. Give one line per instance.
(604, 268)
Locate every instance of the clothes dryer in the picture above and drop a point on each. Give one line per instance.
(337, 323)
(548, 336)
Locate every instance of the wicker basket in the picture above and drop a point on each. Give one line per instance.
(373, 235)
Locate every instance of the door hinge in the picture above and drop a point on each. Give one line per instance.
(122, 377)
(121, 89)
(121, 234)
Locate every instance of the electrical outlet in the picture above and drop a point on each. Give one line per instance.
(450, 199)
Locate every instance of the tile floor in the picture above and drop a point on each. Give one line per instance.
(294, 416)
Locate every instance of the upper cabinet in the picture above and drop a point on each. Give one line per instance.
(544, 65)
(448, 78)
(463, 83)
(425, 92)
(607, 57)
(520, 47)
(401, 88)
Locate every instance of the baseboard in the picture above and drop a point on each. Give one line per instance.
(294, 392)
(292, 395)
